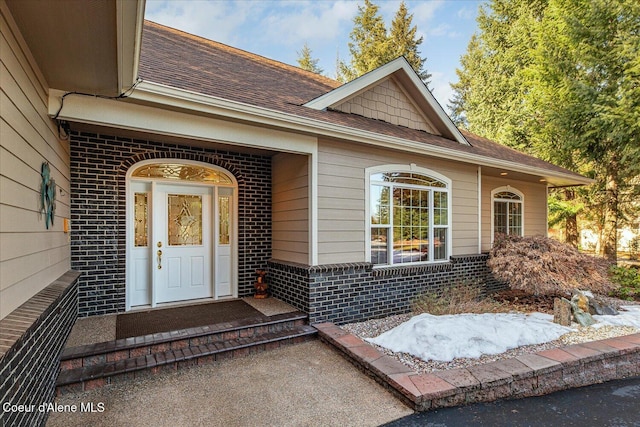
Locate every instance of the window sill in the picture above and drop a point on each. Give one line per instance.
(413, 268)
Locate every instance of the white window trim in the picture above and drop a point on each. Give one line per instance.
(509, 189)
(416, 169)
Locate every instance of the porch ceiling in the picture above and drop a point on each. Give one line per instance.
(189, 142)
(84, 46)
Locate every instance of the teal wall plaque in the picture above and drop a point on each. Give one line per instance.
(47, 194)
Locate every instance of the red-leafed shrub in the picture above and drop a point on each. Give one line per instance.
(541, 266)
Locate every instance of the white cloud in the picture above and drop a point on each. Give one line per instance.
(214, 20)
(297, 22)
(440, 30)
(424, 11)
(466, 13)
(443, 30)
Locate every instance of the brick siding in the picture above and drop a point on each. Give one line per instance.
(29, 366)
(99, 164)
(344, 293)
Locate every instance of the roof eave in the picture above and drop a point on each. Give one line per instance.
(166, 96)
(130, 23)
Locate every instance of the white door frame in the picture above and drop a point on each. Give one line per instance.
(130, 247)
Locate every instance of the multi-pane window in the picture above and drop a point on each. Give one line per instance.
(409, 218)
(507, 213)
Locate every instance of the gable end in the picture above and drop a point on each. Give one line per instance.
(387, 101)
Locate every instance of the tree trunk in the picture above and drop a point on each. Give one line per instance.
(571, 223)
(610, 243)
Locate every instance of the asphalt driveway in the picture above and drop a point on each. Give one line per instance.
(307, 384)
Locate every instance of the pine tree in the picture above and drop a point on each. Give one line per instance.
(587, 73)
(559, 79)
(403, 42)
(371, 46)
(307, 62)
(494, 78)
(368, 45)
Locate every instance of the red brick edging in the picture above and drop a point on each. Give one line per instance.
(527, 375)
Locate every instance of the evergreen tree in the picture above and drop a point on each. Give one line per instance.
(587, 78)
(403, 42)
(368, 45)
(494, 78)
(371, 46)
(307, 62)
(559, 79)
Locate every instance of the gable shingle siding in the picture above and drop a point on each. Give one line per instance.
(387, 102)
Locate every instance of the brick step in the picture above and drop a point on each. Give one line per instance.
(99, 374)
(111, 351)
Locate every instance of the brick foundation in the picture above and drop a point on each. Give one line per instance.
(29, 366)
(344, 293)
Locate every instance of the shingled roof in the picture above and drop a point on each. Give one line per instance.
(184, 61)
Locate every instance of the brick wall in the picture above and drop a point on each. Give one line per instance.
(344, 293)
(29, 366)
(99, 164)
(289, 282)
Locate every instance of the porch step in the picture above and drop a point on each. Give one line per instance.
(87, 367)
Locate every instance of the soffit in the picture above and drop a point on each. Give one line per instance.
(75, 43)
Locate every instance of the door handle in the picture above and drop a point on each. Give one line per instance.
(159, 259)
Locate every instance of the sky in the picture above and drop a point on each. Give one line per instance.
(278, 29)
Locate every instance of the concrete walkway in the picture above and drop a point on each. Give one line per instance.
(307, 384)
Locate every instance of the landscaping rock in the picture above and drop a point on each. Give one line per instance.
(580, 308)
(596, 307)
(583, 318)
(562, 311)
(581, 300)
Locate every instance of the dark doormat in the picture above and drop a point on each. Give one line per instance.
(171, 319)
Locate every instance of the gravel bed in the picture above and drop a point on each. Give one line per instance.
(375, 327)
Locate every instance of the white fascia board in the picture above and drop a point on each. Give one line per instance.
(435, 105)
(161, 121)
(365, 81)
(354, 87)
(129, 22)
(165, 96)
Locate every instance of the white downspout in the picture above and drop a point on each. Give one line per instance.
(479, 209)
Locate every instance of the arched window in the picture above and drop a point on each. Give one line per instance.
(409, 212)
(182, 172)
(508, 211)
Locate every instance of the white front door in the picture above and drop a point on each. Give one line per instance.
(182, 242)
(181, 239)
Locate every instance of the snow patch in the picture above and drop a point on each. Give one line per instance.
(445, 338)
(629, 317)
